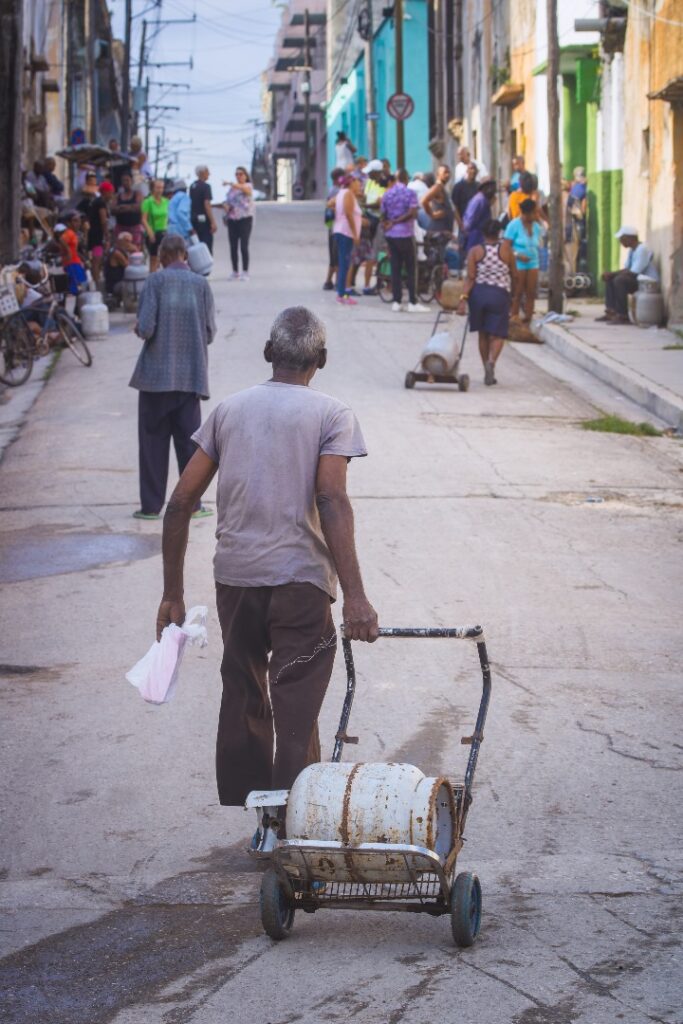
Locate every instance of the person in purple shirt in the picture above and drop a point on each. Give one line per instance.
(478, 213)
(399, 210)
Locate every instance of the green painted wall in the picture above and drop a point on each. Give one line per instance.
(574, 118)
(604, 208)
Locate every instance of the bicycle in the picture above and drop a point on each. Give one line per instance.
(431, 272)
(16, 351)
(52, 319)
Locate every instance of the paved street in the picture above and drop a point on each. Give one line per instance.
(126, 896)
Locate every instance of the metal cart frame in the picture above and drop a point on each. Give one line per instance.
(419, 375)
(303, 872)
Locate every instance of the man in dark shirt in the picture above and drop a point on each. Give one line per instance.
(463, 191)
(97, 216)
(201, 214)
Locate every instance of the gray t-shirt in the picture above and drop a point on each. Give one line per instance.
(267, 441)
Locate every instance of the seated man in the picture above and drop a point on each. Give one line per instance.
(619, 284)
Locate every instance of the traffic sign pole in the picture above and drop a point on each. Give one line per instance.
(398, 31)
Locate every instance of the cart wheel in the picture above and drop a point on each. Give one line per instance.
(277, 906)
(465, 909)
(463, 382)
(410, 379)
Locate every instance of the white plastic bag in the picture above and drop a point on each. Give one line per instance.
(156, 675)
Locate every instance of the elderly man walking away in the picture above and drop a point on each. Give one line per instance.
(285, 533)
(203, 221)
(176, 320)
(619, 284)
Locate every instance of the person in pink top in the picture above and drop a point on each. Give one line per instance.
(346, 232)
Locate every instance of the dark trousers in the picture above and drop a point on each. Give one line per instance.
(202, 230)
(402, 254)
(164, 415)
(344, 251)
(238, 236)
(618, 289)
(268, 724)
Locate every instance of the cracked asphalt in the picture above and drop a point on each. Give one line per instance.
(125, 893)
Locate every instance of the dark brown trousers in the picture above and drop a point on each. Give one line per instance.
(268, 724)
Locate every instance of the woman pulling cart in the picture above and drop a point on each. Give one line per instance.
(491, 277)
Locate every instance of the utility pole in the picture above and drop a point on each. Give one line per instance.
(147, 115)
(125, 104)
(398, 32)
(556, 266)
(306, 89)
(90, 72)
(370, 87)
(11, 108)
(156, 157)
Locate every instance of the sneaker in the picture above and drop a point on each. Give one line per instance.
(352, 291)
(371, 291)
(244, 276)
(202, 512)
(328, 286)
(489, 374)
(234, 276)
(396, 307)
(341, 299)
(146, 515)
(416, 307)
(348, 301)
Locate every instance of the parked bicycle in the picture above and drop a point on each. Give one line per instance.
(432, 271)
(32, 331)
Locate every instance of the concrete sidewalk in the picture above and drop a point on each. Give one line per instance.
(638, 362)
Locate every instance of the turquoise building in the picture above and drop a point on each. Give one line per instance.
(347, 109)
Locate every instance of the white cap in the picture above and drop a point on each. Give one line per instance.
(626, 229)
(59, 227)
(374, 165)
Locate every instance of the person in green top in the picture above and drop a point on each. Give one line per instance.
(154, 211)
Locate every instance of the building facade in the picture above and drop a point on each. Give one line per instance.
(293, 105)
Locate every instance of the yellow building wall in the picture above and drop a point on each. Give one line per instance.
(653, 184)
(523, 59)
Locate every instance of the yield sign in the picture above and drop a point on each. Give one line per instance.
(400, 105)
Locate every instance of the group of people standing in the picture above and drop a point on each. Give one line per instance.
(107, 219)
(370, 209)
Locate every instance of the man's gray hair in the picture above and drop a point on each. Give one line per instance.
(297, 338)
(200, 168)
(172, 248)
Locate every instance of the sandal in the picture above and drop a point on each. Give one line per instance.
(139, 514)
(202, 512)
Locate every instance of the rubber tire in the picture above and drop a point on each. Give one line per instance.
(15, 334)
(425, 288)
(440, 275)
(410, 380)
(277, 906)
(72, 338)
(465, 909)
(464, 382)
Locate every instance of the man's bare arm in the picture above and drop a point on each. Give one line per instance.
(336, 520)
(196, 477)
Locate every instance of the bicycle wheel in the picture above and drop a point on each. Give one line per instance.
(384, 279)
(72, 337)
(425, 281)
(16, 352)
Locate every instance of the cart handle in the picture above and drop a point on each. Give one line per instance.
(474, 633)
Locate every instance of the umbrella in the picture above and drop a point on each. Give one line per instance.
(89, 154)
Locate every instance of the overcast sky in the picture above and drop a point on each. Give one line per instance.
(230, 44)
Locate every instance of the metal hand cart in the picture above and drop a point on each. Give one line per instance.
(312, 875)
(427, 373)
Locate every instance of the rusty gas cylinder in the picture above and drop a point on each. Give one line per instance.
(372, 803)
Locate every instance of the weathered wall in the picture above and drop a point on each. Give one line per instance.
(653, 55)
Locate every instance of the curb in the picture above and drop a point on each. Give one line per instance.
(660, 401)
(16, 403)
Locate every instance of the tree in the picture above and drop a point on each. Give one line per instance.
(556, 267)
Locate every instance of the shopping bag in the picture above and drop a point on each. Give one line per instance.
(156, 675)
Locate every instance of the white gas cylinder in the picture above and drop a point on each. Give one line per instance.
(440, 354)
(95, 320)
(89, 299)
(372, 803)
(649, 302)
(200, 259)
(136, 270)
